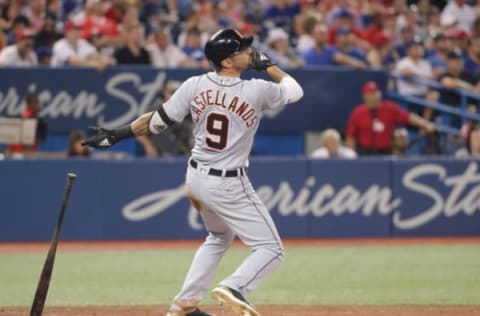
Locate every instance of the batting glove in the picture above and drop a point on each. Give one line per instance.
(104, 138)
(260, 61)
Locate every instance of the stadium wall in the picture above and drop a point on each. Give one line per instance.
(76, 98)
(146, 199)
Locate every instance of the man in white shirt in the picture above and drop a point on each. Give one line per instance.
(21, 53)
(163, 54)
(75, 51)
(414, 65)
(332, 148)
(459, 11)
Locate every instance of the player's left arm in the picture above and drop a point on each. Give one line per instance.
(153, 122)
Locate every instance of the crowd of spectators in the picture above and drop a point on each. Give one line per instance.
(386, 34)
(436, 40)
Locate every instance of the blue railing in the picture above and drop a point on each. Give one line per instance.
(443, 108)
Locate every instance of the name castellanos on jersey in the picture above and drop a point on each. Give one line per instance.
(219, 98)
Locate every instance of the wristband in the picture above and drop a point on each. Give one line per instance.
(123, 132)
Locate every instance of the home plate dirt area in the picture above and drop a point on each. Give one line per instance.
(274, 310)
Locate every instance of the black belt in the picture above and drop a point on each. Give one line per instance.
(218, 172)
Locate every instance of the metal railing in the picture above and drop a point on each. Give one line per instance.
(461, 111)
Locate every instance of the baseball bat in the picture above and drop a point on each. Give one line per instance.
(44, 282)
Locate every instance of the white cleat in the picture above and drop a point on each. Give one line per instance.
(234, 300)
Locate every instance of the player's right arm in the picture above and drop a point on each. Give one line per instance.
(292, 90)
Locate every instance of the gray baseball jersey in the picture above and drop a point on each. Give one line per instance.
(226, 113)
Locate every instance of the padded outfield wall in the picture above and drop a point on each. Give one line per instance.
(146, 199)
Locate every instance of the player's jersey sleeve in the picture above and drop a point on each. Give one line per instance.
(178, 106)
(271, 95)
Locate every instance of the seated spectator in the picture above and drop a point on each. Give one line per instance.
(472, 59)
(166, 13)
(203, 23)
(438, 55)
(75, 147)
(166, 55)
(414, 66)
(371, 124)
(344, 44)
(407, 34)
(94, 17)
(97, 41)
(432, 25)
(382, 54)
(54, 7)
(20, 54)
(461, 12)
(35, 14)
(280, 51)
(460, 39)
(116, 10)
(8, 12)
(400, 142)
(44, 56)
(388, 23)
(19, 24)
(456, 78)
(322, 54)
(375, 28)
(281, 13)
(75, 51)
(129, 17)
(48, 35)
(70, 7)
(340, 15)
(193, 47)
(472, 145)
(343, 20)
(332, 148)
(133, 52)
(305, 41)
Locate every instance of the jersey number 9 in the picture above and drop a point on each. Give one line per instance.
(217, 129)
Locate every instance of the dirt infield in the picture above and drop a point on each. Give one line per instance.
(6, 247)
(283, 310)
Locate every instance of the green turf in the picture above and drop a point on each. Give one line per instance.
(394, 275)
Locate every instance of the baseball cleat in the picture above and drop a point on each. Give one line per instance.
(234, 300)
(196, 312)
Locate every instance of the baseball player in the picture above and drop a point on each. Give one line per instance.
(226, 111)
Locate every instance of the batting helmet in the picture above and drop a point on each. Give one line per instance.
(223, 44)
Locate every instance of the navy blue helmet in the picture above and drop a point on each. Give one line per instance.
(224, 44)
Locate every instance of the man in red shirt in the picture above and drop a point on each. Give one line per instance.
(371, 125)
